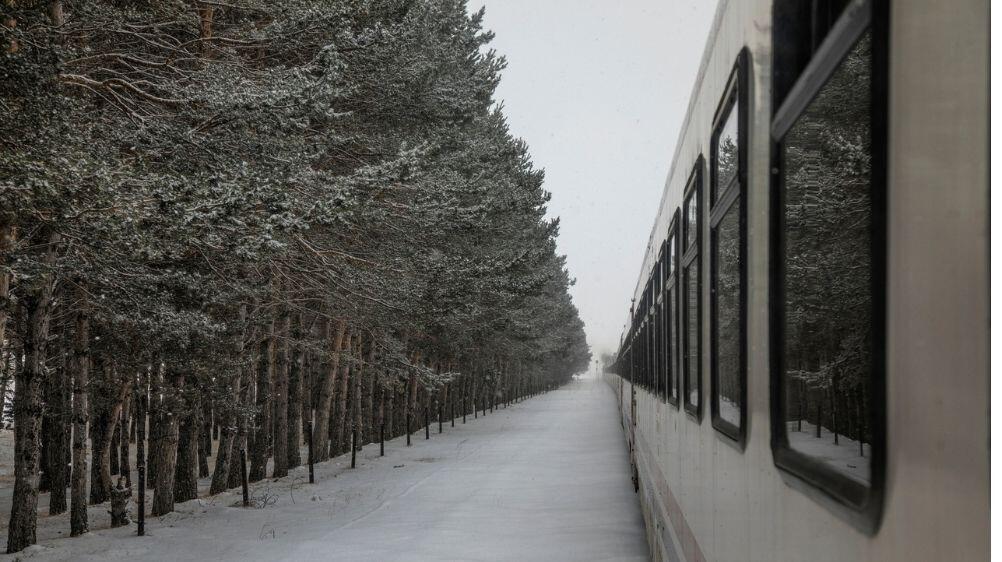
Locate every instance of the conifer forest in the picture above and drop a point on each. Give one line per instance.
(234, 235)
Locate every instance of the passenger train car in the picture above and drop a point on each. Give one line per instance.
(804, 371)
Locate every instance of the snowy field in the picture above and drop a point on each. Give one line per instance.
(547, 479)
(843, 457)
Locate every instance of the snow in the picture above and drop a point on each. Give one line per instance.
(728, 411)
(843, 457)
(547, 479)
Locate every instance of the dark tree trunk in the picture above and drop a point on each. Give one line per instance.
(59, 419)
(124, 464)
(141, 401)
(229, 434)
(817, 418)
(411, 405)
(389, 395)
(28, 419)
(281, 397)
(262, 420)
(380, 421)
(106, 414)
(224, 451)
(370, 396)
(238, 464)
(157, 432)
(81, 412)
(325, 394)
(294, 436)
(186, 466)
(115, 447)
(204, 442)
(163, 492)
(356, 399)
(342, 406)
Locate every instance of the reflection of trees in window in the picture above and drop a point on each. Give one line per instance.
(659, 345)
(828, 308)
(692, 335)
(672, 343)
(691, 217)
(671, 321)
(726, 157)
(727, 314)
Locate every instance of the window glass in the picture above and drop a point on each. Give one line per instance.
(727, 240)
(670, 319)
(659, 339)
(673, 344)
(725, 156)
(692, 335)
(691, 220)
(727, 315)
(828, 308)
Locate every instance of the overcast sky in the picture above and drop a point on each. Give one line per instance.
(599, 89)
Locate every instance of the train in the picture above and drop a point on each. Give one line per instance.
(804, 370)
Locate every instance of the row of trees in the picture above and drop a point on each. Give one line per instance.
(251, 215)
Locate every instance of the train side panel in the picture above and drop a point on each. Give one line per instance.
(704, 497)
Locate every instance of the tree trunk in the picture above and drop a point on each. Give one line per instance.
(81, 412)
(28, 414)
(389, 395)
(242, 443)
(186, 466)
(124, 468)
(370, 396)
(59, 419)
(107, 414)
(222, 474)
(294, 436)
(163, 491)
(141, 400)
(115, 447)
(325, 395)
(357, 397)
(224, 451)
(411, 405)
(6, 240)
(346, 371)
(281, 396)
(157, 432)
(262, 421)
(204, 440)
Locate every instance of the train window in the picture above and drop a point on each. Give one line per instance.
(660, 337)
(691, 220)
(803, 26)
(671, 312)
(828, 275)
(692, 384)
(651, 359)
(727, 259)
(725, 149)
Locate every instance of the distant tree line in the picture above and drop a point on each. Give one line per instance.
(221, 221)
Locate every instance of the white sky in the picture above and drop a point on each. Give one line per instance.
(599, 89)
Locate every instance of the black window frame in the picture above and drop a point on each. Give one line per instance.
(691, 260)
(860, 505)
(660, 340)
(652, 337)
(735, 98)
(671, 292)
(649, 337)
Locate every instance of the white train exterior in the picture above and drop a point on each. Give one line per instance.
(718, 495)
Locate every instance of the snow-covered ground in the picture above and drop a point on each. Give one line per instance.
(843, 457)
(547, 479)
